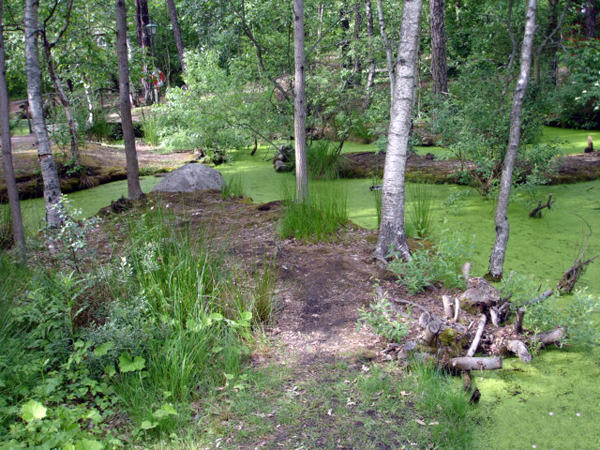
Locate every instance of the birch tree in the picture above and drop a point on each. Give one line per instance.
(9, 171)
(134, 189)
(392, 233)
(34, 94)
(501, 218)
(300, 103)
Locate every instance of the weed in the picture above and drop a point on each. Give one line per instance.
(6, 234)
(151, 129)
(233, 187)
(324, 160)
(379, 316)
(420, 211)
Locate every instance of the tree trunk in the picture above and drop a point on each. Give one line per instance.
(64, 100)
(392, 234)
(502, 225)
(372, 66)
(134, 189)
(438, 48)
(9, 171)
(177, 33)
(591, 13)
(388, 49)
(300, 103)
(34, 93)
(144, 41)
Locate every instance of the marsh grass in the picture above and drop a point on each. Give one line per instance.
(233, 187)
(420, 210)
(318, 219)
(151, 129)
(324, 160)
(6, 236)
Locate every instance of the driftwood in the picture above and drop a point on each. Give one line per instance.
(550, 337)
(537, 211)
(471, 363)
(478, 334)
(571, 276)
(520, 349)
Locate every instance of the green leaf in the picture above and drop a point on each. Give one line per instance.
(87, 444)
(103, 349)
(110, 370)
(216, 316)
(246, 316)
(33, 410)
(126, 364)
(147, 425)
(164, 411)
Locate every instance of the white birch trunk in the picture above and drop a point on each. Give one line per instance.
(502, 225)
(300, 103)
(34, 93)
(392, 234)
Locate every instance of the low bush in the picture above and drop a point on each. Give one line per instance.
(380, 318)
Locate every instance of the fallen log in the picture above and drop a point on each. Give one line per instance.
(520, 349)
(478, 334)
(550, 337)
(471, 363)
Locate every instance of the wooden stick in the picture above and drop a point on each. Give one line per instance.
(518, 348)
(536, 212)
(456, 309)
(467, 363)
(448, 306)
(518, 325)
(480, 328)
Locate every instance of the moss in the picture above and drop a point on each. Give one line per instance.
(453, 341)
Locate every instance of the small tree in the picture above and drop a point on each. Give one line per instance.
(300, 102)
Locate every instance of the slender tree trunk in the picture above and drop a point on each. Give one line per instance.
(591, 14)
(64, 100)
(502, 225)
(177, 33)
(388, 49)
(372, 66)
(300, 103)
(438, 48)
(9, 171)
(134, 189)
(34, 93)
(392, 234)
(90, 104)
(144, 41)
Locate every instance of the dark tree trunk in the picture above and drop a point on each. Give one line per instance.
(9, 171)
(134, 189)
(392, 233)
(372, 65)
(52, 192)
(502, 225)
(177, 33)
(591, 14)
(438, 48)
(300, 103)
(144, 41)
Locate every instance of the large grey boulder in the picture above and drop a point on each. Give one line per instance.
(191, 177)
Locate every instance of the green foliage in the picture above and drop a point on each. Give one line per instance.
(429, 266)
(380, 318)
(6, 234)
(151, 128)
(324, 160)
(100, 129)
(317, 219)
(419, 209)
(233, 187)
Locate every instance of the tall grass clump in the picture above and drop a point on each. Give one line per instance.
(100, 129)
(317, 219)
(151, 129)
(324, 160)
(420, 210)
(233, 187)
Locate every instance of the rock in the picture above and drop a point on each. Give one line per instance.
(190, 178)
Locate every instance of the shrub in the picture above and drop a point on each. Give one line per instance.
(379, 316)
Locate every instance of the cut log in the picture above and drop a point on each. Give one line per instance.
(448, 307)
(456, 309)
(520, 349)
(480, 328)
(432, 329)
(471, 363)
(518, 325)
(550, 337)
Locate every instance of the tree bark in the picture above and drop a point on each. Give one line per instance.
(34, 93)
(388, 49)
(591, 13)
(177, 33)
(372, 66)
(438, 48)
(392, 234)
(466, 363)
(144, 41)
(300, 103)
(9, 171)
(502, 224)
(134, 189)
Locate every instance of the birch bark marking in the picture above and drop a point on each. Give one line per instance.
(34, 94)
(300, 103)
(9, 171)
(392, 233)
(134, 189)
(502, 225)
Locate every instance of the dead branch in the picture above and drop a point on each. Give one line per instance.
(550, 337)
(540, 298)
(412, 304)
(480, 328)
(456, 309)
(471, 363)
(537, 211)
(571, 276)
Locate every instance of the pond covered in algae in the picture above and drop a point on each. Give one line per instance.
(551, 403)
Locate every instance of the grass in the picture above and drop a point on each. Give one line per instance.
(420, 209)
(233, 187)
(6, 235)
(317, 219)
(324, 161)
